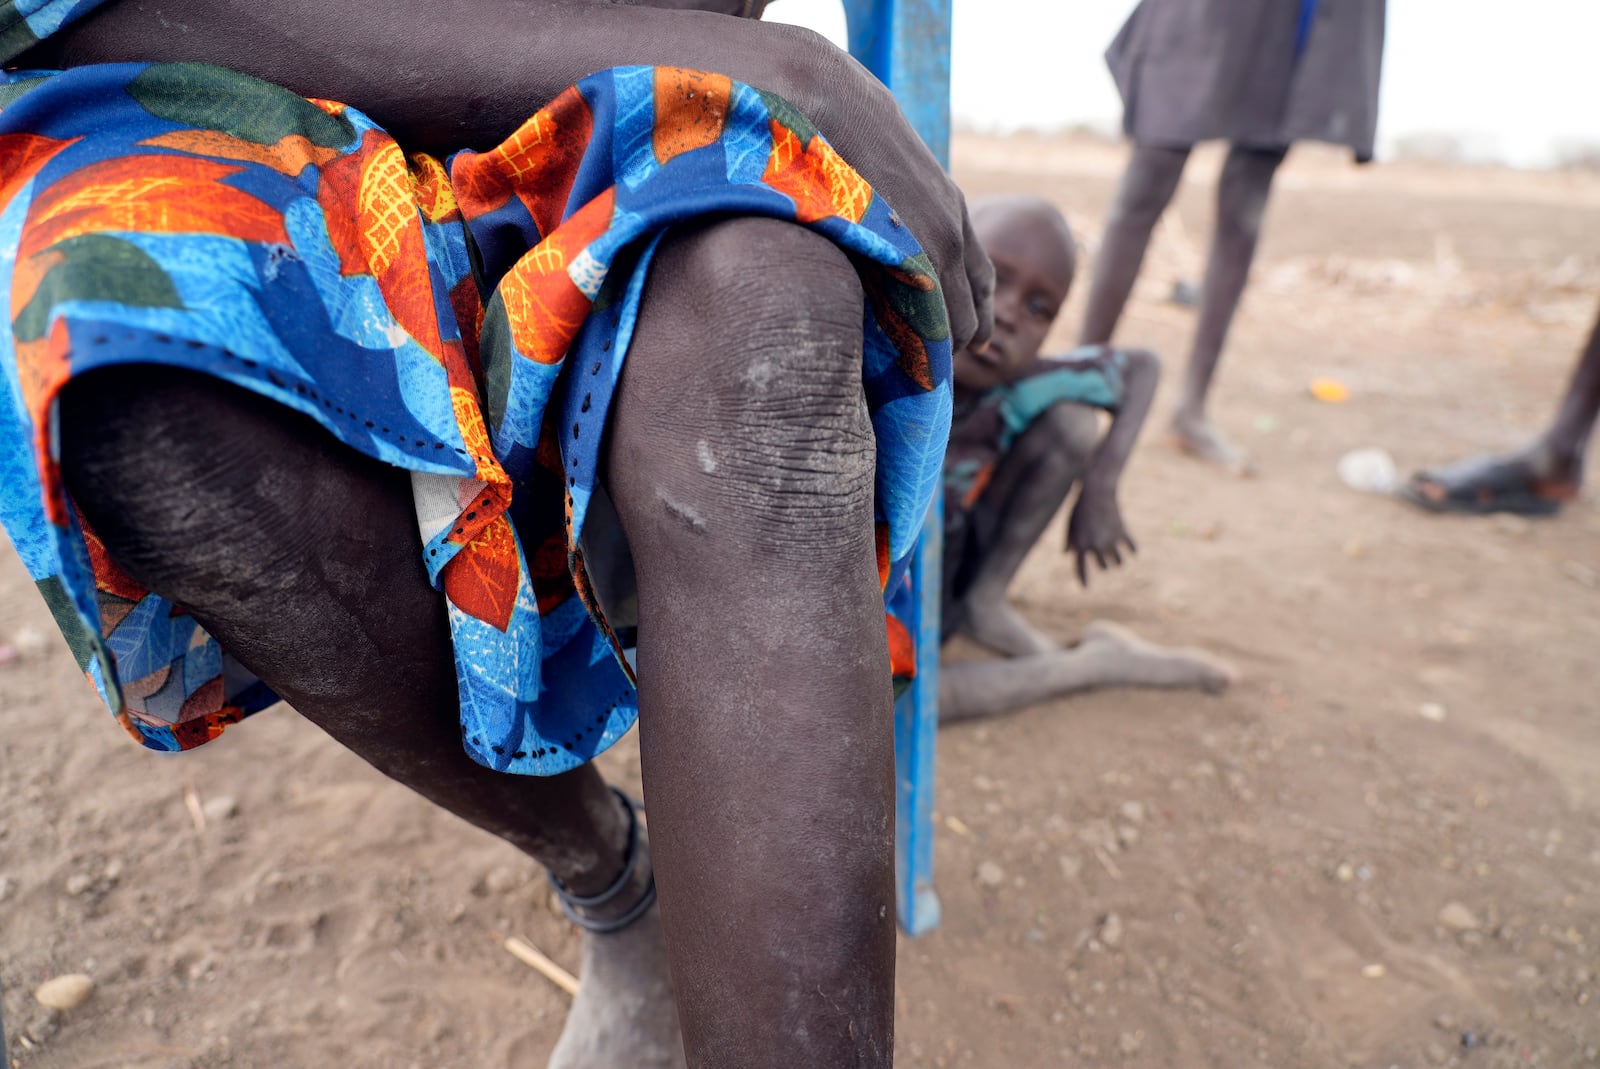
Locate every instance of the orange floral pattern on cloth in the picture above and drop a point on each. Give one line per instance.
(463, 319)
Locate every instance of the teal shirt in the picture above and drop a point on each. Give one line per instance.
(984, 429)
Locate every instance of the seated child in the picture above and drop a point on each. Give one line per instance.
(1023, 435)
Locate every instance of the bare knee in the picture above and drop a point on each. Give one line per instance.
(742, 418)
(1064, 435)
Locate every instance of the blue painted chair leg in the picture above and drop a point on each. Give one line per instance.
(916, 727)
(906, 43)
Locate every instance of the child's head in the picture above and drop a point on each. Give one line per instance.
(1034, 259)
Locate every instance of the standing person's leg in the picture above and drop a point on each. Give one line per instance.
(741, 462)
(1536, 479)
(1242, 194)
(1147, 186)
(302, 558)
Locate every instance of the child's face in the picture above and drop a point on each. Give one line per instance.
(1033, 268)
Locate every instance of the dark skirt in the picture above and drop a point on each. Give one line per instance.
(1249, 72)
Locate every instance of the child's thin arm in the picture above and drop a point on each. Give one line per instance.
(1120, 381)
(1123, 382)
(1141, 371)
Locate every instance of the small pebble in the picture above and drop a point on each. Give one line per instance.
(220, 808)
(990, 874)
(1374, 971)
(30, 641)
(78, 883)
(501, 880)
(64, 992)
(1431, 711)
(1111, 931)
(7, 885)
(1129, 1043)
(1133, 812)
(1458, 918)
(1345, 872)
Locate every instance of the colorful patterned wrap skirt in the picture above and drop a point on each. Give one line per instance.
(466, 321)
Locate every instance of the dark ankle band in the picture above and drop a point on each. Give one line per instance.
(572, 903)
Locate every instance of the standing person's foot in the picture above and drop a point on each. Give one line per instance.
(1532, 482)
(1196, 436)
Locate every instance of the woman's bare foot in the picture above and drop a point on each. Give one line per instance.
(993, 623)
(1196, 436)
(1124, 659)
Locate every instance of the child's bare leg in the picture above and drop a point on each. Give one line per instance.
(302, 557)
(1537, 478)
(1029, 485)
(1147, 186)
(1241, 202)
(1108, 656)
(741, 462)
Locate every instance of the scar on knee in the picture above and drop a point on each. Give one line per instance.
(708, 461)
(684, 514)
(759, 373)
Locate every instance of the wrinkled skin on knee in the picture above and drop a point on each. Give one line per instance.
(771, 437)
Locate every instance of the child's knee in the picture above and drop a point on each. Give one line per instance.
(1069, 433)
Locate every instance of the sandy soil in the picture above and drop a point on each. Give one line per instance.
(1382, 848)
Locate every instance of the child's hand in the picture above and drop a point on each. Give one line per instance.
(1096, 528)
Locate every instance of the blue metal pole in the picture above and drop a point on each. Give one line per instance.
(906, 43)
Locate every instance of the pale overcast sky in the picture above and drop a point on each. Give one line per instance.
(1516, 80)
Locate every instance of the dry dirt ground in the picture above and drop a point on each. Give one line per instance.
(1260, 879)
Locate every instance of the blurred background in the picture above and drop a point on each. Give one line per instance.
(1513, 83)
